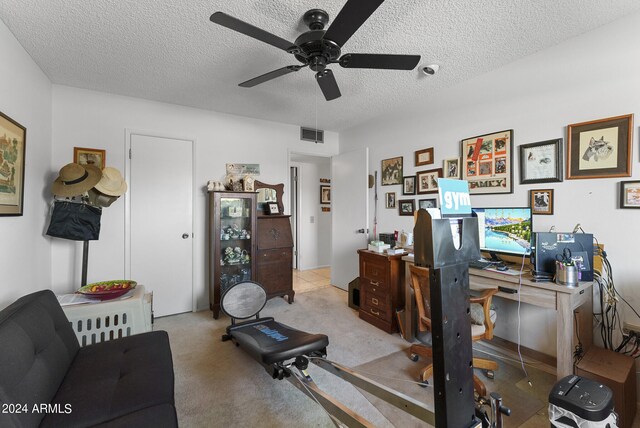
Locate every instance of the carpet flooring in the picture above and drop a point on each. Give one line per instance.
(528, 403)
(219, 385)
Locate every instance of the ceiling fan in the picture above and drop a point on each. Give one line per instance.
(318, 48)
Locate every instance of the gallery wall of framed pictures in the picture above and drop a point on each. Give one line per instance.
(600, 148)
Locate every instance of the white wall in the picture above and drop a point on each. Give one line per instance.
(314, 250)
(92, 119)
(25, 96)
(589, 77)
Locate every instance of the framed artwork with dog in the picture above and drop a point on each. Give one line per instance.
(600, 148)
(541, 201)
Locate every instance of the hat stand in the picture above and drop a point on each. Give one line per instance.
(85, 263)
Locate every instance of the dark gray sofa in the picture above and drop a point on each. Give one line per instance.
(47, 380)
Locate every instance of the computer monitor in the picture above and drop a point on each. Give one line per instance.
(504, 231)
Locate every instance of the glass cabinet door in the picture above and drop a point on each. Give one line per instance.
(236, 235)
(232, 244)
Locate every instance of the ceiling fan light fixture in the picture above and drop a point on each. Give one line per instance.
(430, 69)
(318, 48)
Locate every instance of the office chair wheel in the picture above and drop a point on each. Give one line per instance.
(489, 374)
(423, 383)
(414, 357)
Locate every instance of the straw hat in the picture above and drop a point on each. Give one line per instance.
(111, 183)
(75, 179)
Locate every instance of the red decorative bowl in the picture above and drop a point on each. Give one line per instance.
(106, 290)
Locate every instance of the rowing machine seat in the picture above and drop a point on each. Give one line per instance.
(269, 342)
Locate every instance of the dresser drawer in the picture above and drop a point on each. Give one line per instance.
(376, 271)
(376, 302)
(369, 287)
(383, 314)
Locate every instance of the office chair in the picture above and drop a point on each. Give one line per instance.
(420, 284)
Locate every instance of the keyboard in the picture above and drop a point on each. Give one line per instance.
(480, 264)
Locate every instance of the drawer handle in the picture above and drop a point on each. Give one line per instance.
(374, 312)
(374, 301)
(375, 283)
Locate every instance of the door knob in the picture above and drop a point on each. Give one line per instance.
(361, 231)
(185, 236)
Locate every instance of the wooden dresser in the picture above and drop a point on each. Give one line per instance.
(274, 258)
(381, 289)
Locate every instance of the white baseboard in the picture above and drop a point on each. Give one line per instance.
(312, 268)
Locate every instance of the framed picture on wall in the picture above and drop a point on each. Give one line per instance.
(487, 163)
(600, 148)
(541, 162)
(409, 185)
(84, 156)
(630, 194)
(13, 138)
(541, 201)
(427, 203)
(392, 171)
(451, 168)
(406, 206)
(390, 200)
(427, 181)
(424, 157)
(325, 194)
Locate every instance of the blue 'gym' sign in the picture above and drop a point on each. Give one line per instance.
(454, 196)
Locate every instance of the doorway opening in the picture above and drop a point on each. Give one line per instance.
(310, 221)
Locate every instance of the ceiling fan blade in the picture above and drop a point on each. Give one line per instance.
(271, 75)
(353, 14)
(252, 31)
(328, 84)
(380, 61)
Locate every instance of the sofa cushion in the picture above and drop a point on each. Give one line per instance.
(37, 348)
(111, 379)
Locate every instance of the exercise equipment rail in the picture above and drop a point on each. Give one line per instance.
(281, 349)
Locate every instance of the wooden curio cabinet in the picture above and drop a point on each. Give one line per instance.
(232, 247)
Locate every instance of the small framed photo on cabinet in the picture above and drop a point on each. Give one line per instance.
(273, 208)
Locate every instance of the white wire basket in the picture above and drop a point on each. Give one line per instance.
(108, 320)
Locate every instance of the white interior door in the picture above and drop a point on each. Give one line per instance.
(349, 233)
(161, 220)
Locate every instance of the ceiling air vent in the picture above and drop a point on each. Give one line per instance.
(313, 135)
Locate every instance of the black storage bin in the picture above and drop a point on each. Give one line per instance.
(576, 402)
(354, 294)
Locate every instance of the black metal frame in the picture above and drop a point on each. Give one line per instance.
(451, 333)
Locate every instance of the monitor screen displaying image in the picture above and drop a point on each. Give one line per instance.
(505, 230)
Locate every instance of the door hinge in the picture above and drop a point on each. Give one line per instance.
(129, 153)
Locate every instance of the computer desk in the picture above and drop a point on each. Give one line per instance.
(564, 300)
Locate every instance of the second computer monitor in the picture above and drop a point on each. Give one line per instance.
(505, 230)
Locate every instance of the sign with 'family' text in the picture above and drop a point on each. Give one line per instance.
(454, 196)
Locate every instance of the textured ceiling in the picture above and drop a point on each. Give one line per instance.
(169, 51)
